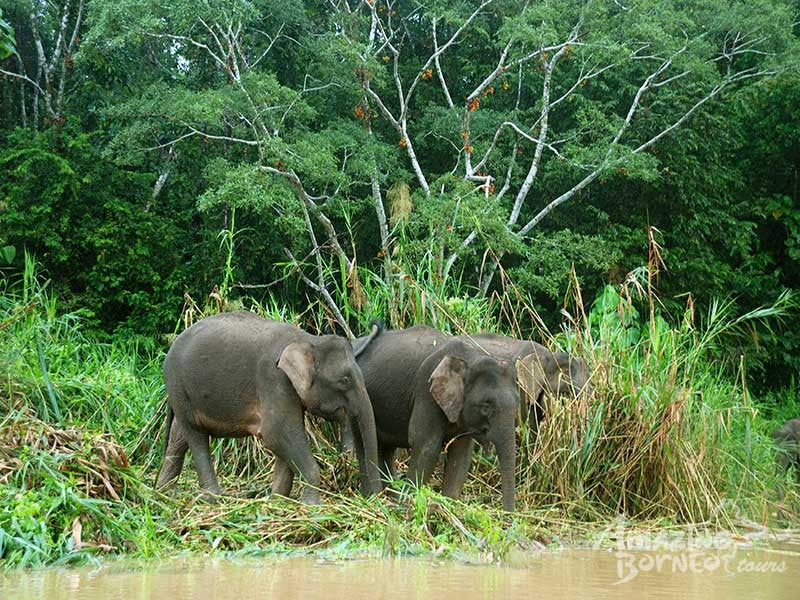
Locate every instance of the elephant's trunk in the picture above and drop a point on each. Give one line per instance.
(361, 409)
(505, 441)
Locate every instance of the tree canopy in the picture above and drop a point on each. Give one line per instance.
(472, 136)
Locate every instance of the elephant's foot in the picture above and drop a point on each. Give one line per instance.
(311, 496)
(165, 485)
(211, 496)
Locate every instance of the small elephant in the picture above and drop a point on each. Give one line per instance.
(787, 439)
(540, 372)
(430, 390)
(237, 374)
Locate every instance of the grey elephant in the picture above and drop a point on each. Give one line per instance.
(540, 371)
(237, 374)
(428, 391)
(787, 439)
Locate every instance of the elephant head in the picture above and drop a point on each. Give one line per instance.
(479, 396)
(329, 383)
(543, 373)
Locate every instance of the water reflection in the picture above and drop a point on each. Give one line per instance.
(557, 574)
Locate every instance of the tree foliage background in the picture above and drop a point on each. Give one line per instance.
(465, 136)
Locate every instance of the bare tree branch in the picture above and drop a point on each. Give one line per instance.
(24, 78)
(322, 291)
(309, 203)
(439, 71)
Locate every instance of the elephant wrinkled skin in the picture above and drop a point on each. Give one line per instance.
(237, 374)
(429, 390)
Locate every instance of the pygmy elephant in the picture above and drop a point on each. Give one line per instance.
(787, 439)
(237, 374)
(427, 390)
(540, 372)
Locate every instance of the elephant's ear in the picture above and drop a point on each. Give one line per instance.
(531, 377)
(579, 376)
(447, 386)
(297, 361)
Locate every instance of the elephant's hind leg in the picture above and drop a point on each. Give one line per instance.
(201, 455)
(387, 462)
(282, 477)
(423, 461)
(174, 456)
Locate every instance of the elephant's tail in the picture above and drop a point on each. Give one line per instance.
(376, 326)
(170, 417)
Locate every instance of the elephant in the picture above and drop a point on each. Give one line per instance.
(787, 439)
(429, 390)
(238, 374)
(540, 371)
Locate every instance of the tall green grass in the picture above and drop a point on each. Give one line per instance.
(71, 413)
(53, 369)
(670, 434)
(671, 430)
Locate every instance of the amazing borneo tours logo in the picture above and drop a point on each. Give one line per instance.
(694, 550)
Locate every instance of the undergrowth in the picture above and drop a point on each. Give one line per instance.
(670, 435)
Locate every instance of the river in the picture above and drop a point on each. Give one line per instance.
(568, 573)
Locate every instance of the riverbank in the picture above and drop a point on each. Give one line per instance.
(72, 497)
(669, 439)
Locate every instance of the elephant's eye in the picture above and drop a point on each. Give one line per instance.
(344, 381)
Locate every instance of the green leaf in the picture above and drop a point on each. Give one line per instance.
(7, 253)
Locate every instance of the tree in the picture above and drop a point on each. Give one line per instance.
(52, 34)
(501, 114)
(612, 82)
(391, 134)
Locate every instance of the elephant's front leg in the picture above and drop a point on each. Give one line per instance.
(422, 461)
(347, 440)
(289, 443)
(425, 435)
(459, 456)
(352, 436)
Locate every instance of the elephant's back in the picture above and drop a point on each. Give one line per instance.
(234, 328)
(404, 350)
(502, 346)
(225, 343)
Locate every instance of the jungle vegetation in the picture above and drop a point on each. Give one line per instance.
(620, 179)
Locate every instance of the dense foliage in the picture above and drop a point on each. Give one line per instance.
(667, 439)
(335, 143)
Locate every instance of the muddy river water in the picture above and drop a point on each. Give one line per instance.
(570, 573)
